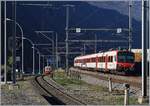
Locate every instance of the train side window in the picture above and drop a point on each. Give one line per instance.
(110, 58)
(88, 60)
(93, 59)
(100, 59)
(114, 58)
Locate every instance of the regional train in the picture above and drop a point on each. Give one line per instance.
(112, 61)
(47, 70)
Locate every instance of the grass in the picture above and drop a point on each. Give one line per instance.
(64, 80)
(114, 98)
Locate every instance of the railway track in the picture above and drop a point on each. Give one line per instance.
(132, 80)
(53, 95)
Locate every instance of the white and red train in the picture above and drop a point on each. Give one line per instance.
(47, 70)
(114, 61)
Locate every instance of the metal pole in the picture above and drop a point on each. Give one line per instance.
(56, 51)
(43, 63)
(67, 23)
(84, 49)
(130, 25)
(47, 62)
(22, 37)
(5, 45)
(14, 42)
(39, 63)
(22, 55)
(144, 50)
(0, 43)
(110, 84)
(126, 94)
(53, 52)
(33, 61)
(95, 43)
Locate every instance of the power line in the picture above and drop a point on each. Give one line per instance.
(106, 41)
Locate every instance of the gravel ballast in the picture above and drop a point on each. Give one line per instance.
(24, 95)
(94, 91)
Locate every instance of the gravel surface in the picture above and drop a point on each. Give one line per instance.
(95, 92)
(136, 92)
(122, 77)
(25, 95)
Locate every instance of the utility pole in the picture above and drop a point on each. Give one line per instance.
(38, 51)
(130, 25)
(67, 24)
(95, 43)
(56, 51)
(39, 63)
(145, 34)
(22, 37)
(5, 44)
(14, 41)
(47, 62)
(84, 47)
(43, 63)
(33, 61)
(67, 34)
(0, 42)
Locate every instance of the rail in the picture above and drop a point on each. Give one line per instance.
(58, 95)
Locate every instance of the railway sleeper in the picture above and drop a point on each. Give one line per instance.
(65, 98)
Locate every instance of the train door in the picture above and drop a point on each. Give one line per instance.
(106, 63)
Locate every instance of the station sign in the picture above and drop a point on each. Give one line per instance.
(78, 30)
(119, 30)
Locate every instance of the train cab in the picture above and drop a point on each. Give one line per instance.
(47, 70)
(125, 60)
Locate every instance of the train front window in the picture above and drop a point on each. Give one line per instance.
(125, 57)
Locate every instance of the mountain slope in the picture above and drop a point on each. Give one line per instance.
(84, 15)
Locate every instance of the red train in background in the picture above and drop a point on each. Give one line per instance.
(113, 61)
(47, 70)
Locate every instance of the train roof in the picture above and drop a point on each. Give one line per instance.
(111, 52)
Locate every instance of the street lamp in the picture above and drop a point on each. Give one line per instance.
(43, 62)
(32, 51)
(39, 59)
(8, 19)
